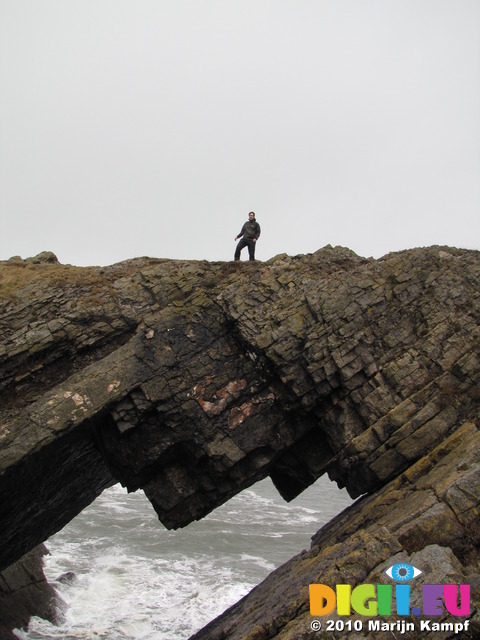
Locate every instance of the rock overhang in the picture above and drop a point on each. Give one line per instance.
(193, 380)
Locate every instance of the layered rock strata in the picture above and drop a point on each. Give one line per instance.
(193, 380)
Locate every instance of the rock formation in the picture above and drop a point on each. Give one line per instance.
(194, 380)
(24, 593)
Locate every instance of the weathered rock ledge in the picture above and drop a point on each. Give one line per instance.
(193, 380)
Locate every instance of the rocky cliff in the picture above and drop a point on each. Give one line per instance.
(194, 380)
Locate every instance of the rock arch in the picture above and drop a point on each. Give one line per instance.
(193, 380)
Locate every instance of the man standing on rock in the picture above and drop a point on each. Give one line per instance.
(249, 235)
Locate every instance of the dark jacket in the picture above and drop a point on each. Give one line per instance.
(250, 230)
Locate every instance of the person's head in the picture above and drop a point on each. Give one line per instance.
(251, 216)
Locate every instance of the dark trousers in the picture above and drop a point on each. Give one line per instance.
(245, 242)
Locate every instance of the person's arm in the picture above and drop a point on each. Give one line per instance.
(241, 233)
(258, 230)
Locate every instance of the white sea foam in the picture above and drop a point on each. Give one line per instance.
(257, 560)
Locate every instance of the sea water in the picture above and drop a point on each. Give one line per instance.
(123, 576)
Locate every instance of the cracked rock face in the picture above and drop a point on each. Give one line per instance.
(193, 380)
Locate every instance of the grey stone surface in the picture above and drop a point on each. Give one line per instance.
(194, 380)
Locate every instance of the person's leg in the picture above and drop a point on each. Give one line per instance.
(251, 250)
(241, 245)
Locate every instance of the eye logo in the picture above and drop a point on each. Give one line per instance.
(402, 572)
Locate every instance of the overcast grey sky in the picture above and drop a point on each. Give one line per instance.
(152, 127)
